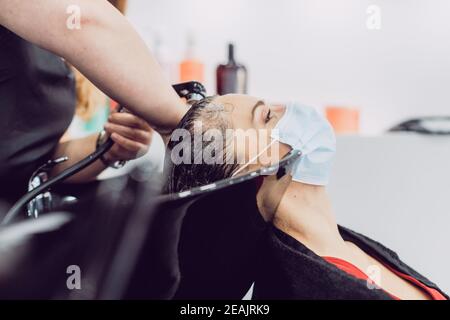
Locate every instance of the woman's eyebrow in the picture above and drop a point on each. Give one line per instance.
(260, 102)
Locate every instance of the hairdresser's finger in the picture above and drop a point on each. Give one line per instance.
(129, 120)
(130, 145)
(118, 153)
(138, 135)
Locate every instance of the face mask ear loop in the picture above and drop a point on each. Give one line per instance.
(253, 159)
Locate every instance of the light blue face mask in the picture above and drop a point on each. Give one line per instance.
(304, 129)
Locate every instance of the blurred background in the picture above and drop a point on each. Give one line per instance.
(321, 52)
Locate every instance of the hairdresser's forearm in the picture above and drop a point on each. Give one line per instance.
(106, 49)
(77, 150)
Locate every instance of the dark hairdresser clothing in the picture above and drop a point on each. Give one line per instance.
(37, 103)
(289, 270)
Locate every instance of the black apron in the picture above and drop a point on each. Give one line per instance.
(37, 103)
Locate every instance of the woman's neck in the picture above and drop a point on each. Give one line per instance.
(305, 213)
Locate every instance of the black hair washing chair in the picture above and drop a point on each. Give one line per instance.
(129, 241)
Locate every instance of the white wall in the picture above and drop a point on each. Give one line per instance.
(320, 51)
(396, 189)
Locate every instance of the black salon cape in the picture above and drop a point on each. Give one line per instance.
(286, 269)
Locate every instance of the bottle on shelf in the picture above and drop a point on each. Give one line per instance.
(191, 68)
(232, 76)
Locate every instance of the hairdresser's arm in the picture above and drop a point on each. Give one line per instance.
(106, 49)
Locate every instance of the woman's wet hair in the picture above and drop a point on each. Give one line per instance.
(184, 176)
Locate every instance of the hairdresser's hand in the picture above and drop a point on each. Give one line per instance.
(131, 134)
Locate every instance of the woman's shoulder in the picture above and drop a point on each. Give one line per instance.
(285, 252)
(380, 251)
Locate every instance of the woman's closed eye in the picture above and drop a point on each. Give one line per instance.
(268, 115)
